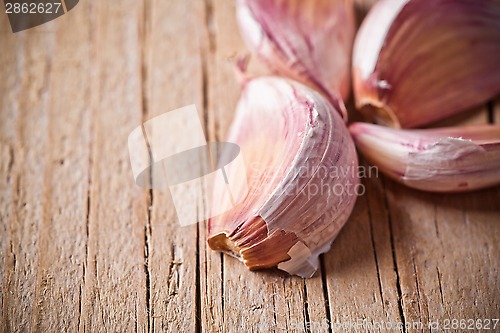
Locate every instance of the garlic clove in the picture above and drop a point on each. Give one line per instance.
(301, 167)
(307, 40)
(416, 62)
(454, 159)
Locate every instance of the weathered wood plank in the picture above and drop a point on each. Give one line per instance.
(114, 293)
(25, 125)
(62, 235)
(174, 78)
(212, 301)
(9, 174)
(447, 253)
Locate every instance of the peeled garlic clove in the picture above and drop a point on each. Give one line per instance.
(453, 159)
(415, 62)
(301, 168)
(307, 40)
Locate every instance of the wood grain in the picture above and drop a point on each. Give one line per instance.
(173, 78)
(82, 248)
(61, 262)
(114, 293)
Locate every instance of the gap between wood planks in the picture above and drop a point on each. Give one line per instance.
(144, 32)
(207, 50)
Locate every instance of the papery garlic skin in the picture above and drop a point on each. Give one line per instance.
(302, 178)
(419, 61)
(454, 159)
(307, 40)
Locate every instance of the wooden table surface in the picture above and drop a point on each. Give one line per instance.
(83, 248)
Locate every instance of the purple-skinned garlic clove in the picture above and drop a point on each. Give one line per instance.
(452, 159)
(418, 61)
(306, 40)
(302, 178)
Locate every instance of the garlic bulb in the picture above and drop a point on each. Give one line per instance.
(301, 168)
(307, 40)
(454, 159)
(417, 61)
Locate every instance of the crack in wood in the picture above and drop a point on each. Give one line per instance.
(394, 259)
(212, 50)
(87, 233)
(136, 318)
(417, 285)
(144, 22)
(307, 319)
(206, 51)
(144, 31)
(6, 299)
(92, 56)
(285, 315)
(41, 280)
(440, 286)
(204, 74)
(14, 261)
(10, 163)
(79, 307)
(324, 284)
(223, 285)
(173, 276)
(398, 287)
(198, 280)
(210, 24)
(375, 257)
(275, 318)
(96, 273)
(435, 221)
(147, 237)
